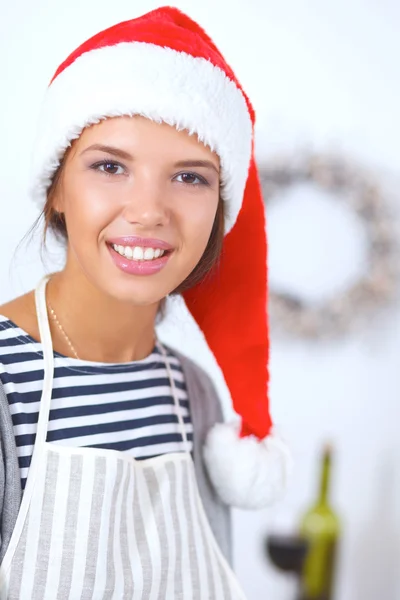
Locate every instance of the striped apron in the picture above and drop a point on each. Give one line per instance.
(98, 524)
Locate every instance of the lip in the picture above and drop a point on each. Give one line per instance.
(138, 267)
(132, 240)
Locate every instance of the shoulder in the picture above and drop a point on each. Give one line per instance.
(22, 312)
(193, 370)
(17, 318)
(203, 396)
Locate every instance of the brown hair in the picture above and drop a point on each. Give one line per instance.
(55, 222)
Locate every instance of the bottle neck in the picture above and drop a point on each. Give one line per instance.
(323, 497)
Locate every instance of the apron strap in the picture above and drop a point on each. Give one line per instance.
(48, 359)
(175, 396)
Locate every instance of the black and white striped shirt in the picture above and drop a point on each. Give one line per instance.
(127, 407)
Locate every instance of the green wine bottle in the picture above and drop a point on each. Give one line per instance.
(321, 528)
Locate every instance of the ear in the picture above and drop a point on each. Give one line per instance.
(57, 203)
(55, 196)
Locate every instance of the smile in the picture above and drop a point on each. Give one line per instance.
(138, 253)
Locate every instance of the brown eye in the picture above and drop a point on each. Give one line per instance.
(109, 167)
(191, 179)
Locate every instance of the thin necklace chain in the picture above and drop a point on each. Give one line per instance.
(53, 314)
(61, 328)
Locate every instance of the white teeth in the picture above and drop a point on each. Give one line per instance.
(138, 253)
(148, 254)
(128, 252)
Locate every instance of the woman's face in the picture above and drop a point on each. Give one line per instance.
(139, 200)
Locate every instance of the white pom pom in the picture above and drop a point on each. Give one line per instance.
(246, 472)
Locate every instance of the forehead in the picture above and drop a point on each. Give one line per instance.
(139, 135)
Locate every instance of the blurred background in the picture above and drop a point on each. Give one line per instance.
(324, 80)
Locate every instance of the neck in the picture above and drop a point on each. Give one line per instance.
(100, 327)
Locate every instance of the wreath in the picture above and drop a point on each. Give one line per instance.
(352, 186)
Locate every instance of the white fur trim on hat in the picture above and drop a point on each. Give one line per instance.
(246, 472)
(159, 83)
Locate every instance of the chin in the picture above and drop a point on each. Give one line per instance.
(136, 295)
(138, 291)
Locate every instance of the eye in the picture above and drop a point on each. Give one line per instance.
(191, 179)
(109, 167)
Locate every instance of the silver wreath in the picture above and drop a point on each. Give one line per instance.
(370, 293)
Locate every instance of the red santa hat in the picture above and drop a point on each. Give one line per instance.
(165, 67)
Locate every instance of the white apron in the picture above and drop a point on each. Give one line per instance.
(99, 524)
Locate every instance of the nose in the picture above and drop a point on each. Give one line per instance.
(146, 205)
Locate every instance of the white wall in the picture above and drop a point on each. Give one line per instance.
(319, 74)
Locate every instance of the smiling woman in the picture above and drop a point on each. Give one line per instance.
(116, 470)
(141, 150)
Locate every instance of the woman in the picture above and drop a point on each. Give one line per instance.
(144, 166)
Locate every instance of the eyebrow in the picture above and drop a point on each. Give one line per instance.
(208, 164)
(109, 150)
(196, 163)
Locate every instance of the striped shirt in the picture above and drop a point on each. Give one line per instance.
(127, 407)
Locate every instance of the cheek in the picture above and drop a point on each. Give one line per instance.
(88, 210)
(197, 219)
